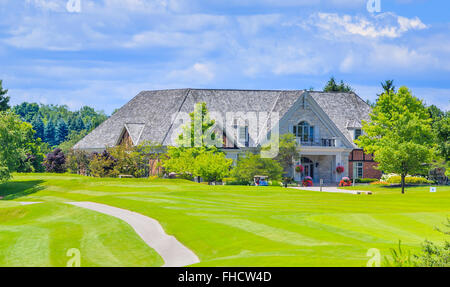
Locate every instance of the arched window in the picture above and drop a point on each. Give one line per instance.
(304, 131)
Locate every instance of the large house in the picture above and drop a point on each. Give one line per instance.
(324, 124)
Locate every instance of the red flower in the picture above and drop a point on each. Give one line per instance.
(340, 169)
(299, 168)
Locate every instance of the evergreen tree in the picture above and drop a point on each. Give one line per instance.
(49, 133)
(332, 86)
(61, 132)
(78, 124)
(4, 100)
(38, 126)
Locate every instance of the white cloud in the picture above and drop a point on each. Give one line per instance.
(199, 73)
(383, 25)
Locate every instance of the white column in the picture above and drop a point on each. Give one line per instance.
(338, 162)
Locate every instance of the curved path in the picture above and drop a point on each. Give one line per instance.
(168, 247)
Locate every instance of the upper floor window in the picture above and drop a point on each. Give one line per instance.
(243, 136)
(358, 133)
(304, 131)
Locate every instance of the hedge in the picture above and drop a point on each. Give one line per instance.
(408, 180)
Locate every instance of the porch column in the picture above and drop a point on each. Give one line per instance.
(338, 162)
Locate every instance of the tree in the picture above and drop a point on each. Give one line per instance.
(38, 126)
(49, 133)
(192, 135)
(441, 130)
(55, 161)
(71, 140)
(288, 151)
(399, 134)
(4, 100)
(61, 132)
(212, 165)
(252, 164)
(103, 165)
(332, 86)
(17, 143)
(388, 86)
(181, 161)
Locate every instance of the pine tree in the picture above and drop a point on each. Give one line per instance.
(61, 132)
(4, 100)
(38, 126)
(79, 124)
(49, 133)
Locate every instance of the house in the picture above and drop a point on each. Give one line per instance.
(325, 125)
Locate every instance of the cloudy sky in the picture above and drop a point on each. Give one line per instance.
(106, 53)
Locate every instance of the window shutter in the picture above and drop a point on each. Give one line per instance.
(316, 134)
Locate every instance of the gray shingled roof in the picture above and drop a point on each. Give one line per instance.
(148, 116)
(346, 110)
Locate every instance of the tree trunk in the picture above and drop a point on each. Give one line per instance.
(403, 184)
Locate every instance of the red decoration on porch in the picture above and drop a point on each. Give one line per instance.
(340, 169)
(299, 168)
(345, 182)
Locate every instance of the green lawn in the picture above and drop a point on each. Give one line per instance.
(223, 225)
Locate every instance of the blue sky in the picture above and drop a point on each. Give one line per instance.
(112, 49)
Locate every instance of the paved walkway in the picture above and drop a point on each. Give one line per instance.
(168, 247)
(28, 203)
(330, 189)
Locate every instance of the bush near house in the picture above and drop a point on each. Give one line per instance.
(408, 180)
(55, 161)
(365, 180)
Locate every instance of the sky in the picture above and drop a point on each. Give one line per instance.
(104, 52)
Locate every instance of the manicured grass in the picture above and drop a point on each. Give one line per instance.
(223, 225)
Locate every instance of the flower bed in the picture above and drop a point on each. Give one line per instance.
(345, 182)
(307, 181)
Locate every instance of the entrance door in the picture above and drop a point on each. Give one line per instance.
(309, 167)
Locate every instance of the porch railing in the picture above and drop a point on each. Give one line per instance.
(322, 142)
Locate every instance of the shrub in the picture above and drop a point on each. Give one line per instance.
(379, 182)
(55, 161)
(409, 180)
(129, 161)
(299, 168)
(232, 181)
(103, 165)
(252, 164)
(365, 180)
(78, 162)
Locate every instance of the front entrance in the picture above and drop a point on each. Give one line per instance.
(309, 167)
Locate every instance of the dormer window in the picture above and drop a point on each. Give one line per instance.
(358, 133)
(304, 131)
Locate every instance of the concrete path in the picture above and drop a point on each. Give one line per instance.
(331, 189)
(168, 247)
(28, 203)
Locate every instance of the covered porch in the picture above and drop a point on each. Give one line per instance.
(321, 165)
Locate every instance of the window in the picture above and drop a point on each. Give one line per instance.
(243, 136)
(304, 131)
(358, 169)
(358, 133)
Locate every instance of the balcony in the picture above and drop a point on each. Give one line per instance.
(320, 143)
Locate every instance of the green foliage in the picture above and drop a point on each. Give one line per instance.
(77, 162)
(408, 180)
(61, 132)
(388, 86)
(399, 134)
(72, 139)
(212, 165)
(288, 151)
(193, 135)
(332, 86)
(366, 180)
(129, 161)
(19, 150)
(252, 164)
(53, 131)
(103, 165)
(400, 258)
(441, 129)
(4, 100)
(49, 133)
